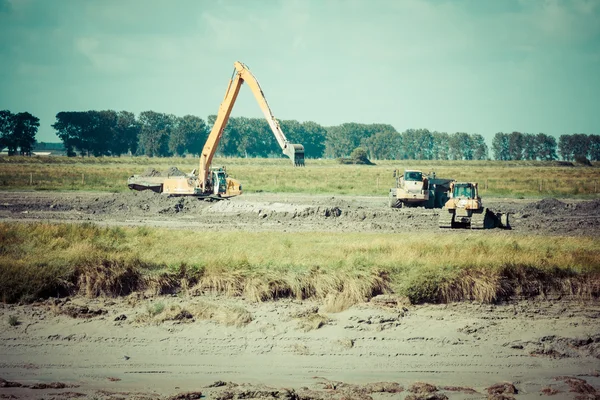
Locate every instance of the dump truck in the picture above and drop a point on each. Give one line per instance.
(464, 209)
(214, 183)
(415, 189)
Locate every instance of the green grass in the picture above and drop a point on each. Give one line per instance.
(496, 178)
(42, 260)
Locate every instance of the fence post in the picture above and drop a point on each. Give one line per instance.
(31, 179)
(82, 179)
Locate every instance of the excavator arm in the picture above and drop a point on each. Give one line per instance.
(240, 75)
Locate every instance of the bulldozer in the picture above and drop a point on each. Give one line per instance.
(213, 182)
(464, 209)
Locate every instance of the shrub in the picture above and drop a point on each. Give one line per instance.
(13, 320)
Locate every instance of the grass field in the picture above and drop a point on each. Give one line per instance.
(42, 260)
(506, 179)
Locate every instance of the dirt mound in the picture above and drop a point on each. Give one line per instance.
(150, 172)
(548, 205)
(589, 206)
(141, 202)
(171, 171)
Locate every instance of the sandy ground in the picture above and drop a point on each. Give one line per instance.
(375, 350)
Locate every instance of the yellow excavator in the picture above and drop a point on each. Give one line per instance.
(465, 209)
(214, 182)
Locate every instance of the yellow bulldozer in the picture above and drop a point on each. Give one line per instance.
(464, 209)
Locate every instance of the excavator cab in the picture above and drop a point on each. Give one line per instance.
(219, 181)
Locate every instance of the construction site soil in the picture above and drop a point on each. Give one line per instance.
(288, 212)
(101, 348)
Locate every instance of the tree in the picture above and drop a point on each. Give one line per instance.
(26, 127)
(573, 146)
(479, 147)
(460, 146)
(441, 146)
(312, 138)
(7, 122)
(515, 146)
(594, 147)
(500, 145)
(188, 135)
(343, 138)
(155, 131)
(384, 146)
(126, 134)
(530, 148)
(546, 147)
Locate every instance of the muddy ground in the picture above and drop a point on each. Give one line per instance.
(99, 349)
(287, 212)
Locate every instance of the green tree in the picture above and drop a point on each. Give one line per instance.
(441, 146)
(515, 146)
(25, 128)
(384, 146)
(530, 147)
(126, 134)
(313, 139)
(155, 132)
(594, 147)
(460, 146)
(546, 147)
(479, 147)
(500, 146)
(7, 139)
(188, 135)
(343, 138)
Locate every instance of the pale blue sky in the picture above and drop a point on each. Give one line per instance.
(478, 66)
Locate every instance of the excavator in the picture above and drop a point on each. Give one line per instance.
(212, 182)
(465, 209)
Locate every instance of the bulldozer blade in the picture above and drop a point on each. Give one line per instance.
(296, 153)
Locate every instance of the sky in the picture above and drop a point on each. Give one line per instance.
(475, 66)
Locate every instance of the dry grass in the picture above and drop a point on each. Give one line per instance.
(511, 179)
(312, 322)
(159, 312)
(339, 269)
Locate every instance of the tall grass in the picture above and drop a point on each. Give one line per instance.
(42, 260)
(512, 179)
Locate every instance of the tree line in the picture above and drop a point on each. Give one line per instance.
(154, 134)
(17, 132)
(161, 135)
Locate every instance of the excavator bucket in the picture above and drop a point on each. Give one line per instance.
(296, 153)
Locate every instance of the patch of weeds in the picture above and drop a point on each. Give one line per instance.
(13, 320)
(155, 309)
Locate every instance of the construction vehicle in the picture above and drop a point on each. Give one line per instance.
(214, 182)
(465, 209)
(415, 189)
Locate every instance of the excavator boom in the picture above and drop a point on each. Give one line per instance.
(240, 75)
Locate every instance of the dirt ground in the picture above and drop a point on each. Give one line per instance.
(288, 212)
(383, 349)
